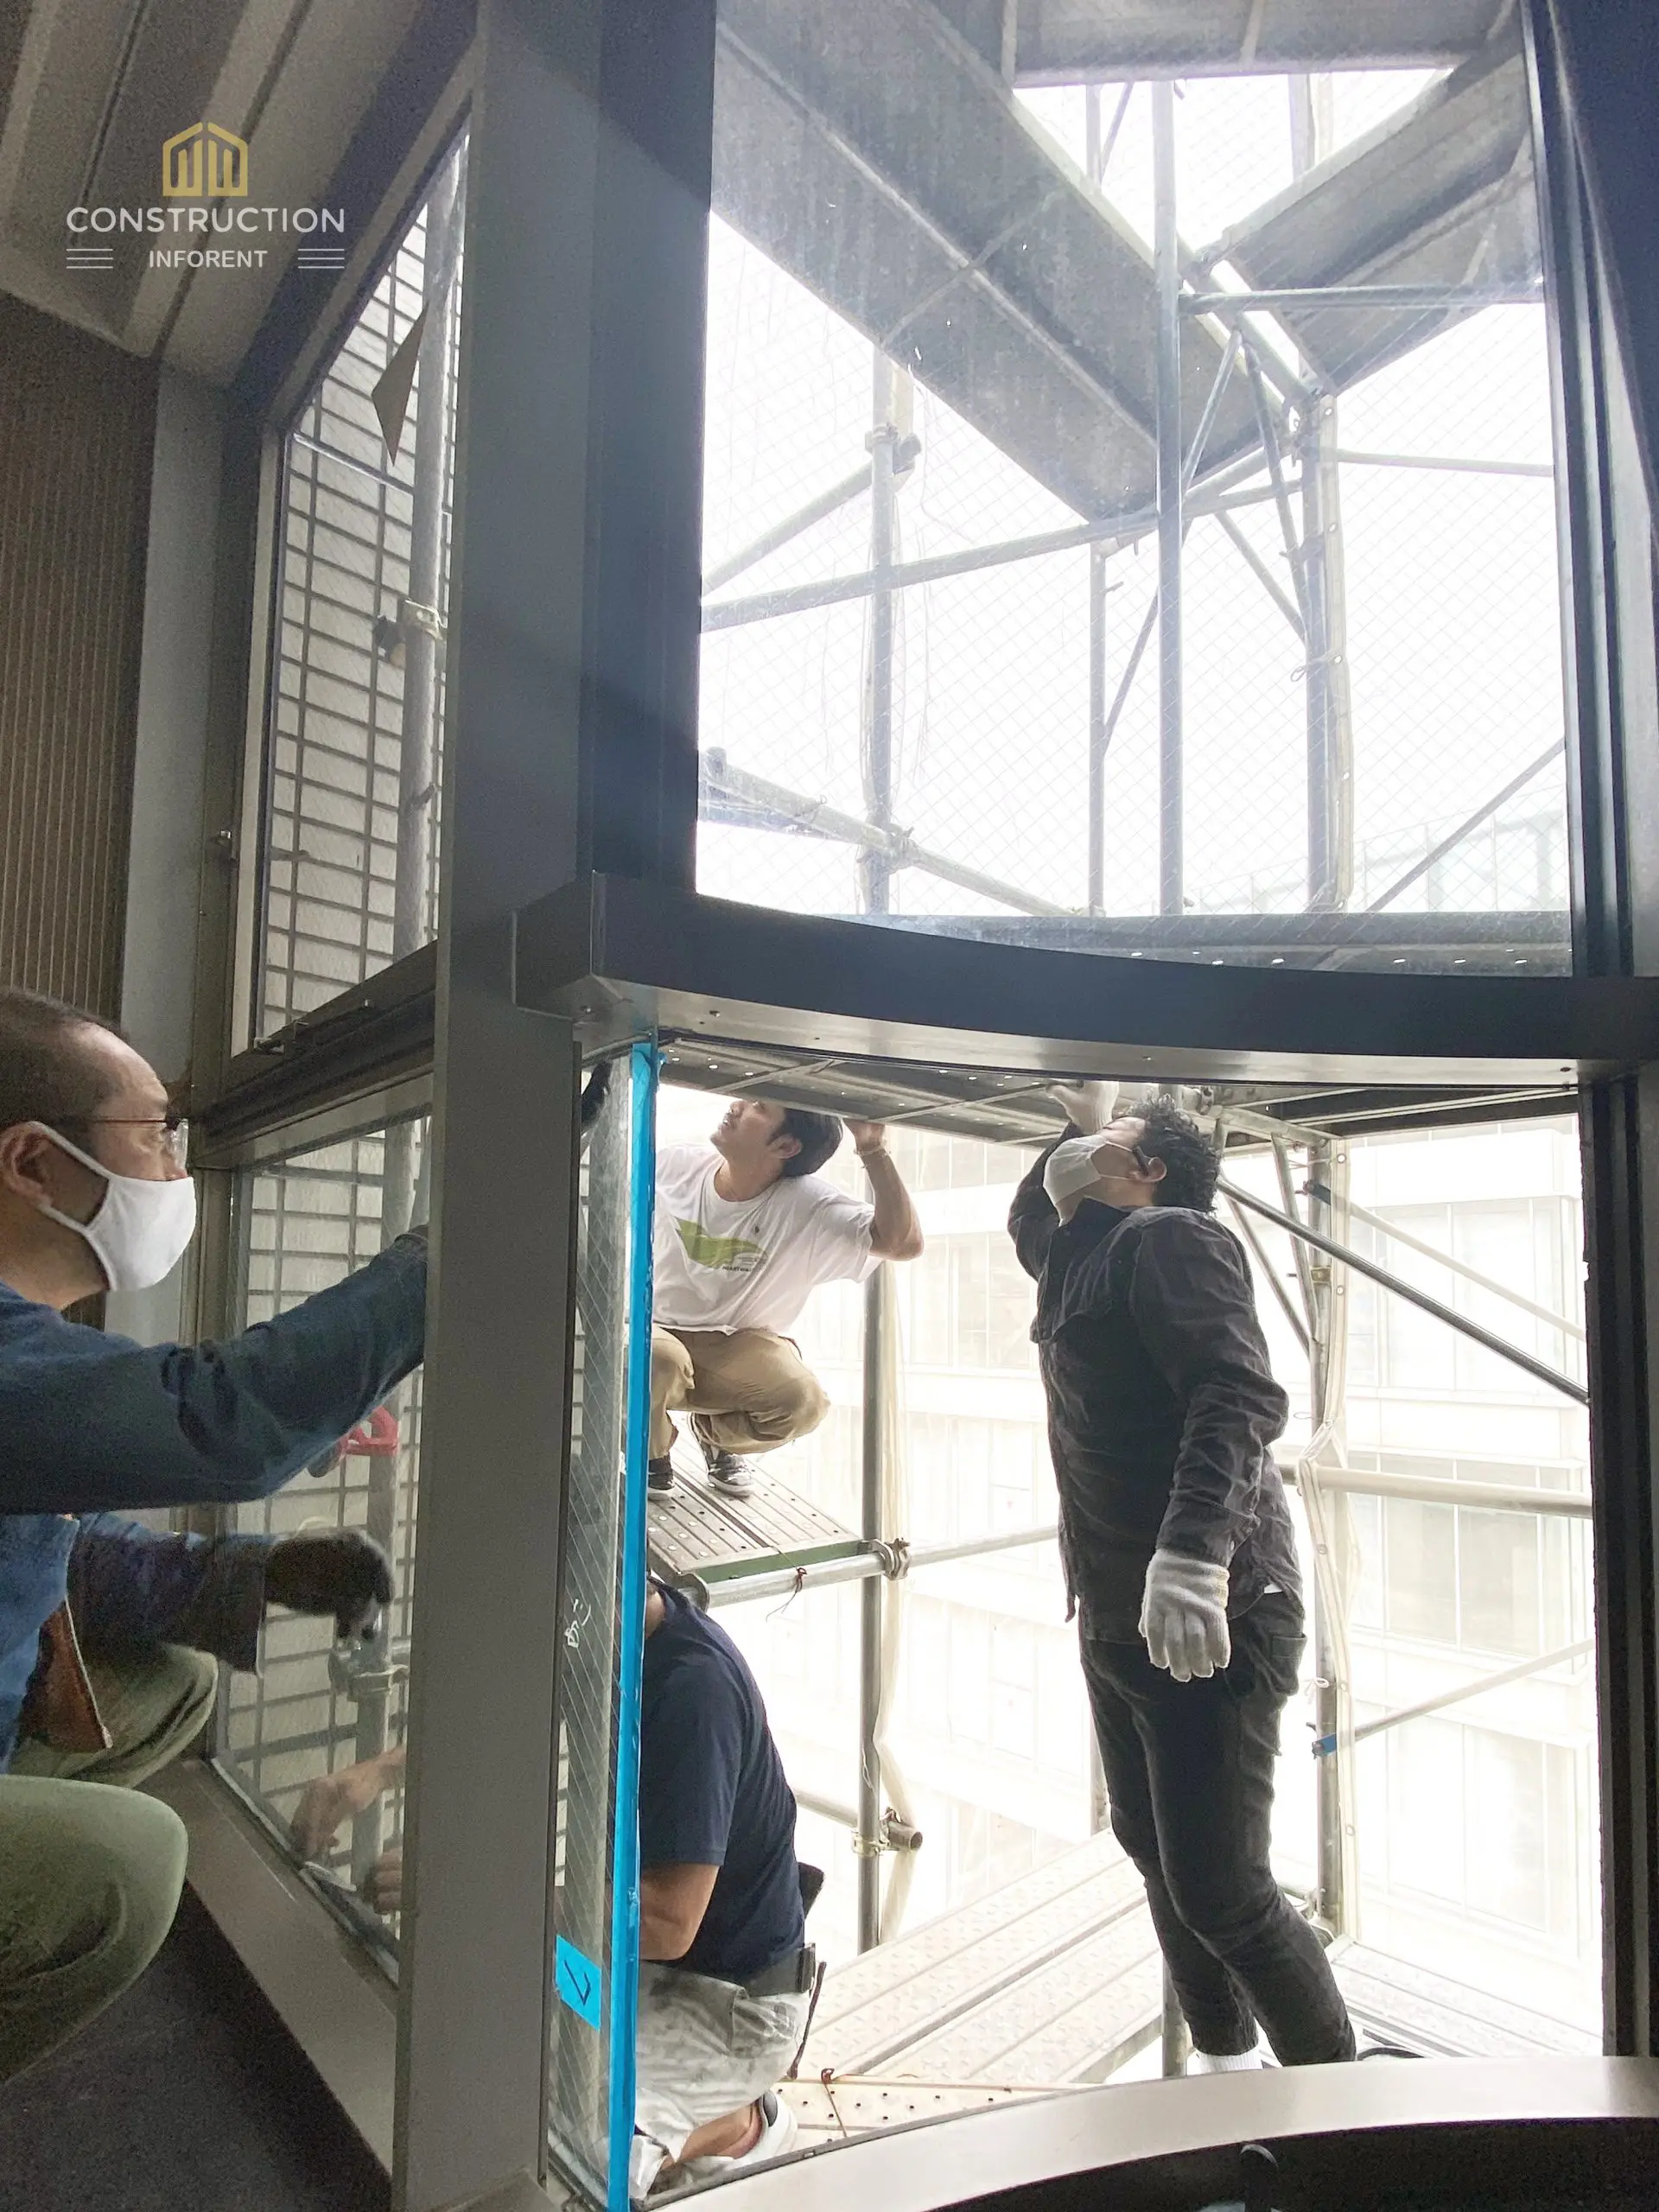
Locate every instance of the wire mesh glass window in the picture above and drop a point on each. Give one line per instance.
(349, 860)
(301, 1225)
(1129, 508)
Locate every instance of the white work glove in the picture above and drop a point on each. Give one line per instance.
(1088, 1106)
(1184, 1615)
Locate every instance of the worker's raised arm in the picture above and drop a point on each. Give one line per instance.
(895, 1233)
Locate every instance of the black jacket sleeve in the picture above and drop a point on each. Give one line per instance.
(1192, 1304)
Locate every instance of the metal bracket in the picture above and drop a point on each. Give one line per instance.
(412, 614)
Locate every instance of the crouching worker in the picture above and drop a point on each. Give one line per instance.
(97, 1685)
(747, 1230)
(726, 1974)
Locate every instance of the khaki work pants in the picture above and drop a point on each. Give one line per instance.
(90, 1873)
(747, 1391)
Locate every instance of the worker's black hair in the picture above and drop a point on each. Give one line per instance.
(1192, 1163)
(818, 1134)
(45, 1072)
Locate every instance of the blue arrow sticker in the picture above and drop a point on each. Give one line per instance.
(577, 1980)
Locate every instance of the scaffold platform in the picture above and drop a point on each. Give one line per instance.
(698, 1532)
(1054, 1981)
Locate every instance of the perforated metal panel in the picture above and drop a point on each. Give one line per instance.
(356, 700)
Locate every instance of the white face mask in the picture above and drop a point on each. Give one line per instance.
(1075, 1165)
(139, 1233)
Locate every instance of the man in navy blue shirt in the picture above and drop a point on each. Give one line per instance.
(719, 1903)
(97, 1688)
(724, 1973)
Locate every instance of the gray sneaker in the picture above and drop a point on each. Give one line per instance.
(729, 1473)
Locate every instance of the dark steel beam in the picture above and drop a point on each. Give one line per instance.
(616, 955)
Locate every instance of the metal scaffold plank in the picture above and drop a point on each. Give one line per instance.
(1440, 194)
(877, 2012)
(1058, 41)
(1005, 283)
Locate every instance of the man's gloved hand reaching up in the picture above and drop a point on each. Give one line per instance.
(1087, 1106)
(1184, 1615)
(338, 1571)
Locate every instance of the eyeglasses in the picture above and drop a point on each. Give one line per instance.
(173, 1140)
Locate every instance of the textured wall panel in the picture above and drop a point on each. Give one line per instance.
(77, 429)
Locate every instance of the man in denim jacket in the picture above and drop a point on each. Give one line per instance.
(96, 1686)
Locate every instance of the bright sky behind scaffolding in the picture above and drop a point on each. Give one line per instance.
(1452, 610)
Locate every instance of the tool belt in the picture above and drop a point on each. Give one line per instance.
(789, 1977)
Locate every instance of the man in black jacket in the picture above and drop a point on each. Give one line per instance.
(1179, 1559)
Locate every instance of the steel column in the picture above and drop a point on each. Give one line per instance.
(572, 655)
(1167, 267)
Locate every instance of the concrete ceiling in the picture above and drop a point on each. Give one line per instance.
(89, 89)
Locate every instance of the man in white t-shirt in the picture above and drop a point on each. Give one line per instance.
(746, 1231)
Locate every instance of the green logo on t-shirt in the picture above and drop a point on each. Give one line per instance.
(734, 1255)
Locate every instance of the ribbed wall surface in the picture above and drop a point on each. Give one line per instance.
(76, 428)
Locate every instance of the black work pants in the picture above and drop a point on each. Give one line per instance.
(1189, 1772)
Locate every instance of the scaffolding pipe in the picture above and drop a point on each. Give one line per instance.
(1280, 489)
(1206, 421)
(792, 526)
(1330, 724)
(875, 886)
(1299, 1256)
(1536, 1368)
(1097, 161)
(875, 865)
(867, 1840)
(1460, 1267)
(1112, 530)
(1263, 574)
(1328, 1526)
(892, 1559)
(1330, 734)
(818, 817)
(1167, 270)
(1247, 1229)
(1471, 1497)
(1543, 468)
(828, 1809)
(1437, 853)
(1411, 297)
(1099, 731)
(1467, 1690)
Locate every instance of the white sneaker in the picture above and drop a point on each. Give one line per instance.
(1244, 2061)
(778, 2128)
